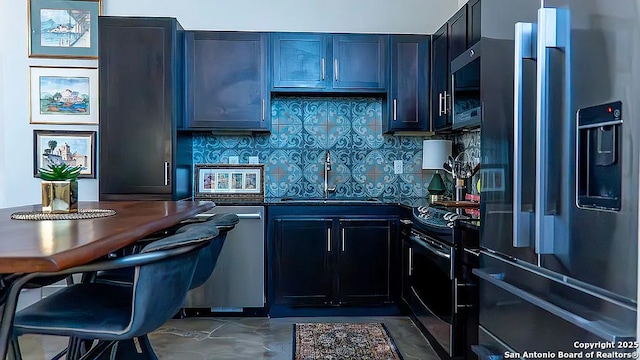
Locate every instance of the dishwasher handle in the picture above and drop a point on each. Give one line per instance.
(240, 216)
(249, 216)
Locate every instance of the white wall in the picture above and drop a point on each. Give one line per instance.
(393, 16)
(17, 184)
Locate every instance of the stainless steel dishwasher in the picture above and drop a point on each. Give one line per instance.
(237, 281)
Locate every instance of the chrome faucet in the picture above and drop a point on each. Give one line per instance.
(327, 168)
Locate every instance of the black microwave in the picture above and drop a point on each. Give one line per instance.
(465, 89)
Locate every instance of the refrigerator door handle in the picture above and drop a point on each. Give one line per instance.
(525, 49)
(605, 331)
(553, 32)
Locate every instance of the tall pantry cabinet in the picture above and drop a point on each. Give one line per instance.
(142, 156)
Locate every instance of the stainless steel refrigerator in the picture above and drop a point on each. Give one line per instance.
(560, 92)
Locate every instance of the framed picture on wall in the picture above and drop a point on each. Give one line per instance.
(64, 28)
(72, 147)
(63, 95)
(244, 181)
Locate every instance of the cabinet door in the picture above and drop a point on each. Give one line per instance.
(359, 62)
(440, 80)
(473, 22)
(226, 81)
(135, 105)
(300, 61)
(458, 33)
(409, 95)
(301, 263)
(364, 261)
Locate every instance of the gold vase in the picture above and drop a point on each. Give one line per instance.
(60, 197)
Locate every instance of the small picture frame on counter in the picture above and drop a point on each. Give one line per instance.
(229, 181)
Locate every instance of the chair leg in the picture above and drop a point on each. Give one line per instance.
(14, 349)
(73, 349)
(132, 349)
(101, 350)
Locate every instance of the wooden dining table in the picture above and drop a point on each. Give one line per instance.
(37, 246)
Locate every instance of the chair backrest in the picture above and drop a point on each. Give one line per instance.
(160, 288)
(208, 258)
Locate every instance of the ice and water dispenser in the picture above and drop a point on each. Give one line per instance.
(599, 162)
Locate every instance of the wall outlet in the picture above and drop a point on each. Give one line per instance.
(234, 159)
(397, 167)
(254, 160)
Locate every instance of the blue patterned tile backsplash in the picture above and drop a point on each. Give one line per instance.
(304, 128)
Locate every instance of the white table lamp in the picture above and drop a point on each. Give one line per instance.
(434, 154)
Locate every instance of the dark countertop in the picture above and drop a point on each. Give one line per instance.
(407, 203)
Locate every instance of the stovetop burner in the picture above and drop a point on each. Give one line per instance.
(436, 221)
(436, 217)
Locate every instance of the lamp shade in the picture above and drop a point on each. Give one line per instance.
(435, 153)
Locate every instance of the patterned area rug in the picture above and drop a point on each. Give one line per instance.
(343, 341)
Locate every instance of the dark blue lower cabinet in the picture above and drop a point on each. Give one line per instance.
(364, 261)
(301, 262)
(330, 260)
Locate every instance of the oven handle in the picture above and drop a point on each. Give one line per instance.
(430, 247)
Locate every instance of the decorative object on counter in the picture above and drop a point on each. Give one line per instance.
(460, 168)
(64, 29)
(434, 154)
(74, 148)
(344, 341)
(229, 181)
(59, 185)
(80, 215)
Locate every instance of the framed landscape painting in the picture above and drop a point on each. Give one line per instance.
(64, 28)
(71, 147)
(63, 95)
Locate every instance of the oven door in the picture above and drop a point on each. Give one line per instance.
(432, 287)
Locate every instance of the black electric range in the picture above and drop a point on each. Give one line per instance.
(440, 291)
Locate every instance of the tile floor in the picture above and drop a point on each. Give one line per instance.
(241, 338)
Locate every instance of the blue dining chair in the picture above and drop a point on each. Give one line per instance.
(223, 222)
(119, 316)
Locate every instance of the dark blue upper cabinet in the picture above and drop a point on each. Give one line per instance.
(446, 44)
(304, 62)
(360, 62)
(300, 60)
(227, 84)
(440, 83)
(408, 101)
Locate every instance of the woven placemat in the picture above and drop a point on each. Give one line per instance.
(81, 214)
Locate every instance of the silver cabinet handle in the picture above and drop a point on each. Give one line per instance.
(553, 32)
(262, 109)
(525, 45)
(322, 68)
(451, 100)
(328, 239)
(343, 237)
(440, 104)
(395, 109)
(166, 173)
(410, 261)
(447, 104)
(335, 68)
(455, 295)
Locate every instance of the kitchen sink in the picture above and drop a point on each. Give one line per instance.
(313, 201)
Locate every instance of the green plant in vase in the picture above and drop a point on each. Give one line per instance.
(59, 185)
